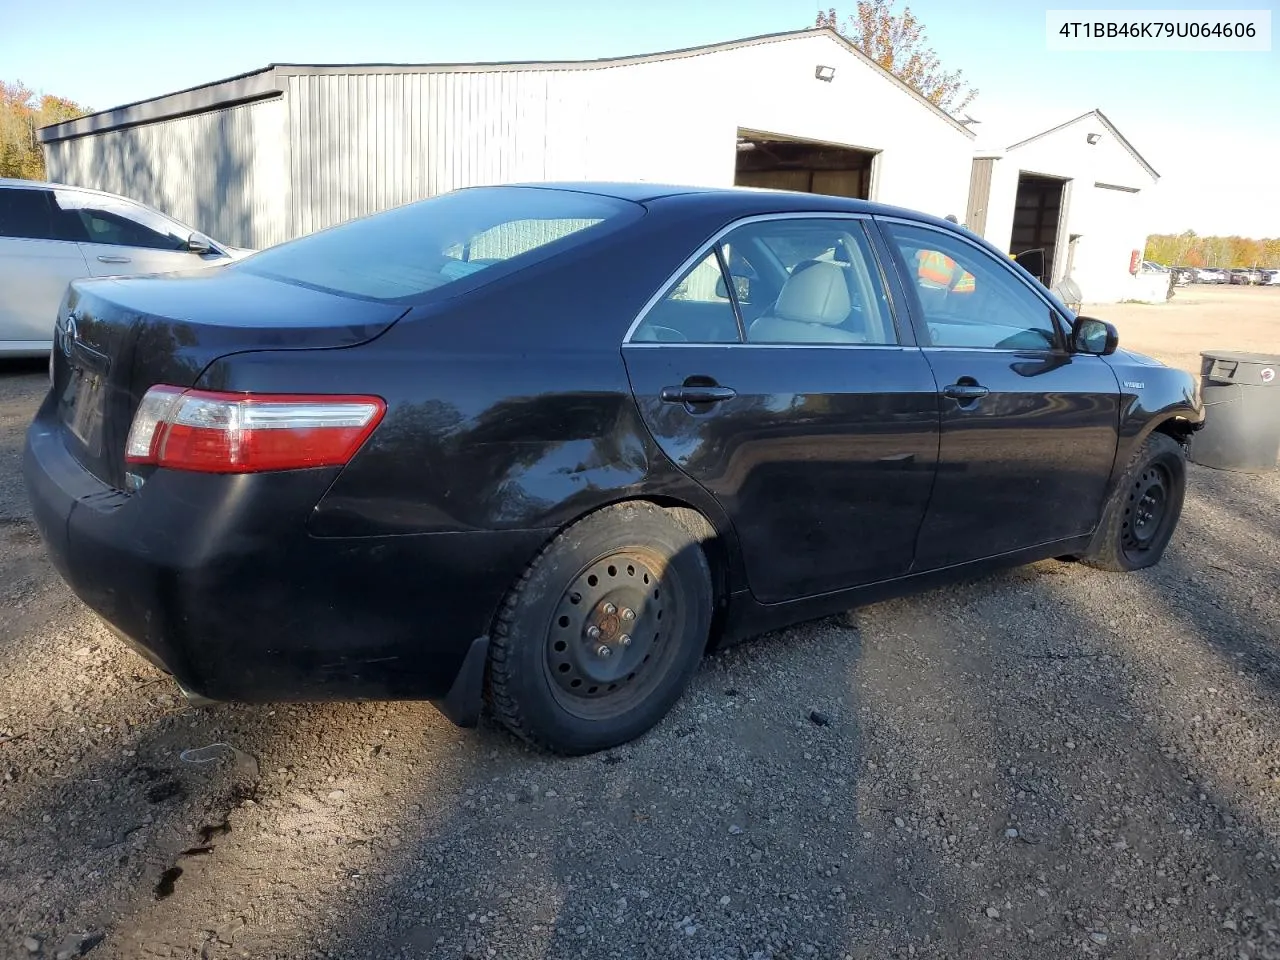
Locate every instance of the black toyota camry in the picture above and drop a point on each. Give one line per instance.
(541, 446)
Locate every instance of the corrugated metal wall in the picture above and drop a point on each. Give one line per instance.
(342, 145)
(371, 139)
(367, 142)
(223, 172)
(364, 142)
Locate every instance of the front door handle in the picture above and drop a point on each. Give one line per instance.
(965, 391)
(113, 260)
(697, 394)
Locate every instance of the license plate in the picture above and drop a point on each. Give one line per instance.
(82, 408)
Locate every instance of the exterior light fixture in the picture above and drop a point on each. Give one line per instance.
(1093, 137)
(824, 73)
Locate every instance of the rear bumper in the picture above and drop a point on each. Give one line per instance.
(216, 580)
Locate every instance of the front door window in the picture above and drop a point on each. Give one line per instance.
(968, 298)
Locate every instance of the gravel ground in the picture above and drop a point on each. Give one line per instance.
(1050, 762)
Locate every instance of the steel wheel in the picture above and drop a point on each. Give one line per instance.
(597, 639)
(1147, 511)
(604, 644)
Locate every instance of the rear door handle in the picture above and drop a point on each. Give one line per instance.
(697, 394)
(113, 260)
(965, 391)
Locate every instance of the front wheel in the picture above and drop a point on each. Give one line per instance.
(1143, 509)
(599, 637)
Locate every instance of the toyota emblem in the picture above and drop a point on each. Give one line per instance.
(67, 338)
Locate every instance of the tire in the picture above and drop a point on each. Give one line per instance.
(1143, 509)
(631, 579)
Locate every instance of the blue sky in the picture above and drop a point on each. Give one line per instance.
(1206, 121)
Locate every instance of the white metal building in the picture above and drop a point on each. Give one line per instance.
(1080, 192)
(259, 158)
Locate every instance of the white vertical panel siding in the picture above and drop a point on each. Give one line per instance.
(223, 172)
(364, 142)
(367, 142)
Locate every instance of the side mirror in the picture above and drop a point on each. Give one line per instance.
(1089, 335)
(199, 243)
(741, 287)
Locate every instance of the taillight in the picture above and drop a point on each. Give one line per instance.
(213, 432)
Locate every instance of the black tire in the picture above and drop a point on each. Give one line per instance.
(636, 574)
(1143, 509)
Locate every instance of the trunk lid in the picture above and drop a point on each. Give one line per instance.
(118, 336)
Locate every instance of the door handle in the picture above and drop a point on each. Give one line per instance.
(965, 391)
(697, 394)
(113, 260)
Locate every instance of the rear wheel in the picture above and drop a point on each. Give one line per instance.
(599, 637)
(1143, 509)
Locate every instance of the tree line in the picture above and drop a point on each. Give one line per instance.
(1188, 249)
(22, 112)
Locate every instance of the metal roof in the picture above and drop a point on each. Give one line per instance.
(270, 81)
(1110, 127)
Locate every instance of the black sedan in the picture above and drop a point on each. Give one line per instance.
(540, 446)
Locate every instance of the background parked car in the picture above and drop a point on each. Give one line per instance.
(1271, 277)
(1246, 276)
(52, 234)
(1211, 275)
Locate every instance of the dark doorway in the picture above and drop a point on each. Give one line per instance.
(1036, 218)
(808, 166)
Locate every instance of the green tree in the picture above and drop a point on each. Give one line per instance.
(22, 113)
(897, 41)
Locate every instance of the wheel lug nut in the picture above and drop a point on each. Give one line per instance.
(610, 609)
(625, 639)
(628, 613)
(603, 651)
(593, 631)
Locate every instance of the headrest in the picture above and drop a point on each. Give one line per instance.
(817, 294)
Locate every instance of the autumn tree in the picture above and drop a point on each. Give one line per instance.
(1186, 249)
(897, 42)
(22, 113)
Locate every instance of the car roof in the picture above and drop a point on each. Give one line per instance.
(647, 192)
(47, 185)
(743, 201)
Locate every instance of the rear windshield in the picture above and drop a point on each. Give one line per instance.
(441, 244)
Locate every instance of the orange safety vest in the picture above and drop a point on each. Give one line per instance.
(936, 269)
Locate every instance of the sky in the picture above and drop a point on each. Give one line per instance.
(1209, 123)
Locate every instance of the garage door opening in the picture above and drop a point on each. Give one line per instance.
(808, 166)
(1037, 217)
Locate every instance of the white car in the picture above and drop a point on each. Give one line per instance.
(1211, 275)
(51, 234)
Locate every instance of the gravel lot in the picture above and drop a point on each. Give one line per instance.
(1050, 762)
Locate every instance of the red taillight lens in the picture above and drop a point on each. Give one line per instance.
(212, 432)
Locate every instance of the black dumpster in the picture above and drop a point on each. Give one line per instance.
(1241, 394)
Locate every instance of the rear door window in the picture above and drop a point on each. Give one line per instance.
(25, 214)
(444, 243)
(828, 285)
